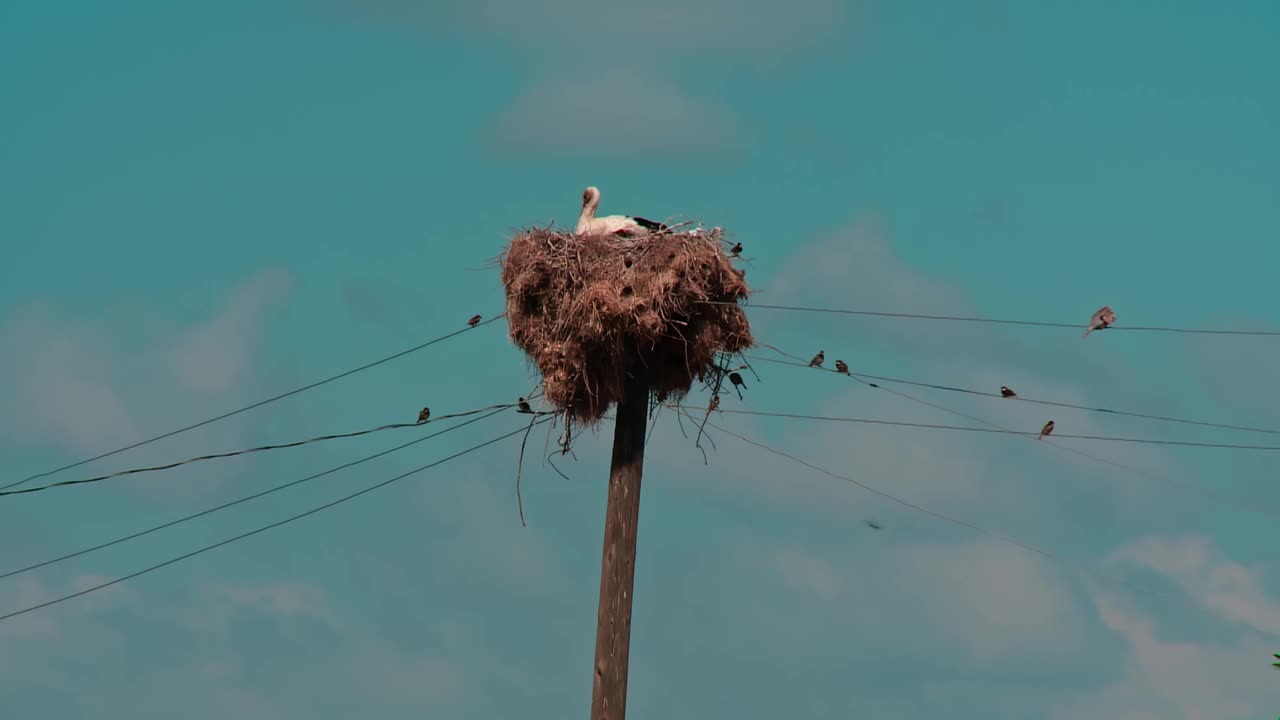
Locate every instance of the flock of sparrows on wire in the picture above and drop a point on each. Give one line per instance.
(1102, 319)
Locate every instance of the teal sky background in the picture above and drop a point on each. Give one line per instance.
(203, 204)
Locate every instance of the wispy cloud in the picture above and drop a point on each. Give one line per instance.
(617, 111)
(1166, 678)
(81, 389)
(1232, 591)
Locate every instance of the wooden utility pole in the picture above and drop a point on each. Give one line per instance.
(618, 567)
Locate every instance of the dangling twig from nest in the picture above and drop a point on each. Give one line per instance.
(715, 403)
(747, 362)
(553, 463)
(681, 410)
(653, 422)
(520, 469)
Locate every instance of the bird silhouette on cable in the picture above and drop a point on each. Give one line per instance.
(1006, 392)
(523, 406)
(1104, 318)
(736, 250)
(842, 367)
(737, 382)
(817, 360)
(1046, 430)
(426, 413)
(474, 321)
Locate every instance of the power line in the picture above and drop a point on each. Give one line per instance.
(1008, 539)
(1074, 565)
(1192, 487)
(1020, 398)
(244, 499)
(253, 406)
(1101, 438)
(264, 528)
(997, 321)
(261, 448)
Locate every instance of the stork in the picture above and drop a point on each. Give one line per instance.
(589, 224)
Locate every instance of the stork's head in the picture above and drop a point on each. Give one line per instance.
(591, 198)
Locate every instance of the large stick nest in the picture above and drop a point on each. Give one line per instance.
(589, 310)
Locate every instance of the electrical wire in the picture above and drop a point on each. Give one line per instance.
(1001, 537)
(1247, 506)
(253, 406)
(152, 568)
(246, 498)
(261, 448)
(998, 321)
(1099, 438)
(1020, 398)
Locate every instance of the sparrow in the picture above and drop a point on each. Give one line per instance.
(475, 320)
(715, 404)
(1046, 430)
(426, 413)
(817, 360)
(738, 382)
(1006, 392)
(735, 250)
(523, 406)
(1100, 320)
(841, 367)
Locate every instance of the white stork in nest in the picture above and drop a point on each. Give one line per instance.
(589, 224)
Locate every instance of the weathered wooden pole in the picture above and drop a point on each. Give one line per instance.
(618, 566)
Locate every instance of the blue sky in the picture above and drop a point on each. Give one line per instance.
(203, 204)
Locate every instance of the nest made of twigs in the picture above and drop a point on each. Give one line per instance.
(589, 310)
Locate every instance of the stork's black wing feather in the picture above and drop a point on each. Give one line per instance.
(649, 224)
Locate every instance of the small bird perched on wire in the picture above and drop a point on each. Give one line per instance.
(474, 321)
(841, 367)
(736, 250)
(1104, 318)
(523, 406)
(817, 360)
(426, 413)
(1046, 430)
(715, 404)
(1006, 392)
(737, 382)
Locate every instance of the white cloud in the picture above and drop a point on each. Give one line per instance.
(1171, 680)
(214, 356)
(85, 389)
(623, 110)
(998, 599)
(220, 602)
(59, 384)
(802, 571)
(979, 599)
(1232, 591)
(186, 652)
